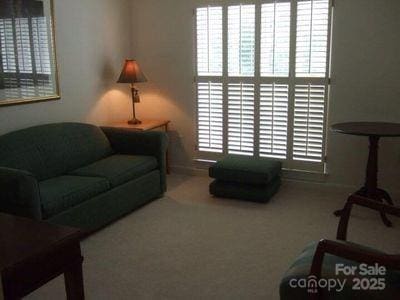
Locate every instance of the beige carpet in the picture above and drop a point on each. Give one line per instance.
(189, 245)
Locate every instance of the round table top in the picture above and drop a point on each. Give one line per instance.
(368, 128)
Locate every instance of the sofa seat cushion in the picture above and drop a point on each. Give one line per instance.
(61, 193)
(119, 169)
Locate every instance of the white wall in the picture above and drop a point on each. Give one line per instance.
(365, 85)
(93, 37)
(365, 78)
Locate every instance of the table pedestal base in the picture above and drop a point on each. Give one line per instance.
(379, 195)
(370, 190)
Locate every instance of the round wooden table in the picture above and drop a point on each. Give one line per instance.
(374, 131)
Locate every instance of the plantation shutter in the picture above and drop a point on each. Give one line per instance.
(274, 63)
(274, 102)
(310, 94)
(209, 85)
(40, 40)
(275, 39)
(209, 114)
(209, 41)
(262, 80)
(309, 122)
(7, 45)
(241, 40)
(312, 38)
(25, 51)
(241, 118)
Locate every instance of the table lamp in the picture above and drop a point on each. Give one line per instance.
(132, 74)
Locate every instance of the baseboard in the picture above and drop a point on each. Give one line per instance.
(189, 171)
(201, 169)
(287, 175)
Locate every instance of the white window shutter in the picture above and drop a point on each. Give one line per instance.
(312, 38)
(309, 112)
(209, 41)
(41, 45)
(277, 108)
(7, 45)
(274, 100)
(241, 118)
(275, 39)
(241, 40)
(209, 117)
(23, 45)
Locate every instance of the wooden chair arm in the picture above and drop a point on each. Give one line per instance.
(365, 202)
(351, 252)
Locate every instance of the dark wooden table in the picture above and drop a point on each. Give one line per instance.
(33, 253)
(374, 131)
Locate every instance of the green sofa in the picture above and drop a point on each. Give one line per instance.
(78, 174)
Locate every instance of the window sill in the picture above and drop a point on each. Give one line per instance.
(289, 174)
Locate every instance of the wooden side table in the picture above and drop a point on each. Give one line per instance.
(146, 125)
(374, 131)
(34, 252)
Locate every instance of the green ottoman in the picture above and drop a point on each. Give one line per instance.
(245, 178)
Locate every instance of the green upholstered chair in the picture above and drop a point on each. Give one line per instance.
(320, 261)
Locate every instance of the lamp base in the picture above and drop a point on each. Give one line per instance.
(134, 121)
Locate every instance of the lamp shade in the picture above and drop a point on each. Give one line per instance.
(131, 73)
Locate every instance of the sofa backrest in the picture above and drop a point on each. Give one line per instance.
(52, 150)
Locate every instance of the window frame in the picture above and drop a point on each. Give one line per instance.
(20, 94)
(291, 80)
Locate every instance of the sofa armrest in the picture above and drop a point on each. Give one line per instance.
(19, 193)
(153, 143)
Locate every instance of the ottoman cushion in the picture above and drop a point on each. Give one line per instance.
(243, 169)
(256, 193)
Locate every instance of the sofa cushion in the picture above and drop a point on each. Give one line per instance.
(52, 150)
(243, 169)
(118, 169)
(60, 193)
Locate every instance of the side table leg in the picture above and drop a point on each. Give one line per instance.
(73, 278)
(370, 189)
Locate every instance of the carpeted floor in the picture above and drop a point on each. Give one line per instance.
(189, 245)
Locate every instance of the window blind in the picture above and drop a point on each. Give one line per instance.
(274, 100)
(22, 36)
(262, 80)
(275, 39)
(241, 40)
(309, 122)
(25, 57)
(209, 114)
(41, 45)
(312, 38)
(209, 41)
(241, 118)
